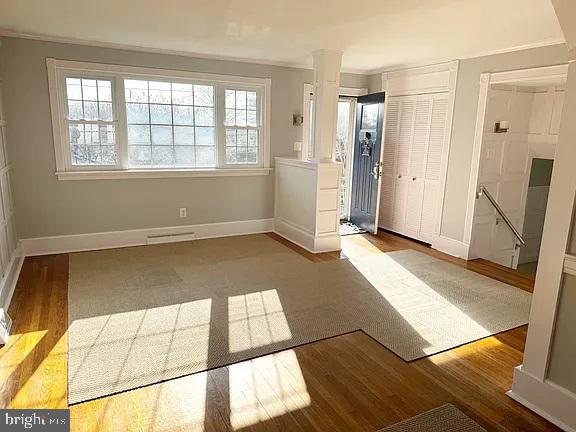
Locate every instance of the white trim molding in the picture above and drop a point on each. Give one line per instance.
(60, 70)
(8, 282)
(486, 80)
(429, 80)
(305, 238)
(300, 65)
(426, 79)
(451, 247)
(545, 398)
(306, 203)
(7, 287)
(166, 51)
(307, 95)
(140, 237)
(161, 173)
(531, 385)
(352, 91)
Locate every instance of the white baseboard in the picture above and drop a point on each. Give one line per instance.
(9, 281)
(451, 247)
(306, 239)
(139, 237)
(547, 399)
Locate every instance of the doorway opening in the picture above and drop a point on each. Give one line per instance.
(516, 141)
(359, 128)
(363, 180)
(535, 211)
(344, 150)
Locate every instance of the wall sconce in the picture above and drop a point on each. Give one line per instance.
(297, 119)
(501, 127)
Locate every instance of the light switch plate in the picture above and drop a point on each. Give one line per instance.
(297, 146)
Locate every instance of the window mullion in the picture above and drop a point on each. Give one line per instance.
(122, 126)
(219, 101)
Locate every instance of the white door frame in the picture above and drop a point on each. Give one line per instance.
(350, 155)
(307, 96)
(531, 75)
(437, 78)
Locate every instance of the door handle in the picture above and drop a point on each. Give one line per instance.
(399, 175)
(413, 178)
(376, 170)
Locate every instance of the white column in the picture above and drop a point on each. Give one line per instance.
(326, 87)
(307, 193)
(531, 386)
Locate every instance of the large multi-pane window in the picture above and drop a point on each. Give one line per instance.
(117, 119)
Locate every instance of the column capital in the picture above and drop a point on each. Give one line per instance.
(326, 54)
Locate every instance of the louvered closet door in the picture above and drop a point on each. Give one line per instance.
(415, 138)
(434, 163)
(402, 174)
(417, 167)
(385, 218)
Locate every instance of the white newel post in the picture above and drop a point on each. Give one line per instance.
(307, 192)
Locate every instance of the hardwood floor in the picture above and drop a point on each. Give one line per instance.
(346, 383)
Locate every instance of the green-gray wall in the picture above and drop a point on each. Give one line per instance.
(49, 207)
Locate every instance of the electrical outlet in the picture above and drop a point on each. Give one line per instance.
(183, 212)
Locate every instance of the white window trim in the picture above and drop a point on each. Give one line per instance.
(64, 171)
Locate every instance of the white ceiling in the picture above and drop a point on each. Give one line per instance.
(374, 34)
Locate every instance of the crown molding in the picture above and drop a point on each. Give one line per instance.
(298, 65)
(137, 48)
(487, 53)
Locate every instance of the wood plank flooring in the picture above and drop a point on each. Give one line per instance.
(346, 383)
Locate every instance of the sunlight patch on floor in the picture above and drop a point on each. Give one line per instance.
(265, 388)
(119, 342)
(255, 320)
(385, 274)
(462, 352)
(33, 375)
(182, 404)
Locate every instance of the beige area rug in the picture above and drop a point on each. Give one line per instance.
(446, 418)
(142, 315)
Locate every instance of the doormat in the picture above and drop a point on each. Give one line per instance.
(348, 228)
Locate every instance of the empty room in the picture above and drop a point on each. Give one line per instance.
(288, 216)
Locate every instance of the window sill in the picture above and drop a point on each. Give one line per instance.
(143, 174)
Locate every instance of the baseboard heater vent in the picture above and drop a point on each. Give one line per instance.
(170, 238)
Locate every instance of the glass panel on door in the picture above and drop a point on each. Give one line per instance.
(344, 136)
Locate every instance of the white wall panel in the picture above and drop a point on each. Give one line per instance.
(515, 157)
(557, 112)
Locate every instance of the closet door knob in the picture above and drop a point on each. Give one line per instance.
(399, 175)
(413, 178)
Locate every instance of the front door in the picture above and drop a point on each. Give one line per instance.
(366, 164)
